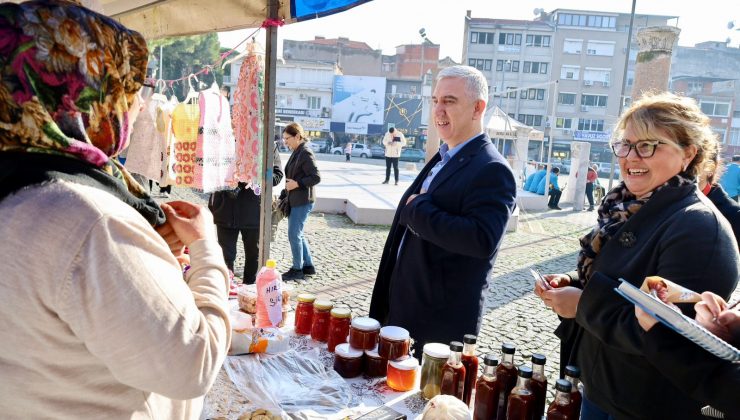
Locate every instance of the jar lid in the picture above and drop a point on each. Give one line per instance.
(437, 350)
(394, 333)
(365, 323)
(408, 363)
(373, 353)
(341, 313)
(306, 297)
(346, 351)
(323, 304)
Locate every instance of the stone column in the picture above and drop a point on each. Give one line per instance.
(653, 67)
(575, 192)
(521, 148)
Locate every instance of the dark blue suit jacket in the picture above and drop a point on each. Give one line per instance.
(453, 232)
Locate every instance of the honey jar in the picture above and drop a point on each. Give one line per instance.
(347, 361)
(363, 333)
(375, 366)
(394, 343)
(402, 374)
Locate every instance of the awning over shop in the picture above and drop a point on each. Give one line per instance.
(503, 126)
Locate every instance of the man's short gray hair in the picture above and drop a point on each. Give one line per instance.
(475, 82)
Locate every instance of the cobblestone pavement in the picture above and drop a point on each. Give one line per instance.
(346, 257)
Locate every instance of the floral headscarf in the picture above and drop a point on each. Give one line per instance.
(68, 78)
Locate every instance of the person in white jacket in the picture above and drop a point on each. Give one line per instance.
(393, 141)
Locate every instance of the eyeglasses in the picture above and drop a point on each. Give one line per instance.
(643, 148)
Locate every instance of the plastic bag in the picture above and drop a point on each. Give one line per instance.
(289, 382)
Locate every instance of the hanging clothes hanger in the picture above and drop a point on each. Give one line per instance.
(252, 48)
(159, 87)
(192, 95)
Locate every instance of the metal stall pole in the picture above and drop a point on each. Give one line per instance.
(553, 115)
(268, 123)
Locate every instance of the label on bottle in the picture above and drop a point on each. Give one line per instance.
(274, 301)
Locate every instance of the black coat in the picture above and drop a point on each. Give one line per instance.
(301, 167)
(678, 235)
(452, 234)
(240, 208)
(728, 207)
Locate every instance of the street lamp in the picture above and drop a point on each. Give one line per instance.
(503, 87)
(423, 34)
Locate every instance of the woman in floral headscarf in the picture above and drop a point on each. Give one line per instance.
(655, 223)
(97, 321)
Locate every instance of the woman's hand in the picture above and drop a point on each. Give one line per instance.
(563, 300)
(554, 280)
(645, 320)
(712, 314)
(188, 222)
(290, 184)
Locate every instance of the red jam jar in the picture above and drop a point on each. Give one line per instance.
(347, 361)
(375, 366)
(395, 343)
(304, 313)
(402, 374)
(363, 333)
(320, 322)
(338, 327)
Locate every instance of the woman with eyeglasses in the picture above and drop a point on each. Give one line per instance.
(654, 223)
(301, 176)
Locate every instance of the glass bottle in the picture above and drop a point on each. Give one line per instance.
(453, 373)
(320, 322)
(434, 358)
(561, 408)
(538, 384)
(338, 327)
(470, 361)
(304, 313)
(506, 374)
(487, 391)
(521, 400)
(573, 375)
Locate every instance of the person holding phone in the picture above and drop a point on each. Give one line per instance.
(394, 141)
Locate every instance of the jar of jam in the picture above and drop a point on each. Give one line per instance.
(347, 361)
(363, 333)
(375, 366)
(338, 327)
(402, 374)
(394, 343)
(320, 322)
(433, 359)
(304, 313)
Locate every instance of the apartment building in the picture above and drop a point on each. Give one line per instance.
(352, 57)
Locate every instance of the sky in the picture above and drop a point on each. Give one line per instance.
(385, 24)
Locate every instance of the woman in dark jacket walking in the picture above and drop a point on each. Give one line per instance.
(301, 175)
(238, 211)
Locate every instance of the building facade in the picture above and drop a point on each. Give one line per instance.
(352, 57)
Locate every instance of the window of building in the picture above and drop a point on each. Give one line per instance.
(570, 72)
(507, 65)
(529, 119)
(561, 122)
(509, 39)
(515, 66)
(734, 138)
(534, 67)
(572, 46)
(592, 75)
(590, 125)
(533, 94)
(715, 109)
(314, 102)
(538, 40)
(592, 21)
(600, 48)
(511, 92)
(594, 100)
(481, 37)
(567, 98)
(696, 86)
(480, 63)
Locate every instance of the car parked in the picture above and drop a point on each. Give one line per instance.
(358, 150)
(605, 168)
(378, 151)
(315, 147)
(412, 155)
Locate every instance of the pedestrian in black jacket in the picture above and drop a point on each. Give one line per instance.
(708, 180)
(655, 223)
(238, 211)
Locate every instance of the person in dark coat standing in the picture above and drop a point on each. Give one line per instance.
(709, 185)
(449, 224)
(238, 211)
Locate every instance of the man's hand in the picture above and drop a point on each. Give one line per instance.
(188, 222)
(290, 184)
(411, 198)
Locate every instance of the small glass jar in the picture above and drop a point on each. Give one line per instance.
(394, 343)
(347, 361)
(338, 327)
(375, 366)
(363, 333)
(434, 358)
(320, 322)
(304, 313)
(402, 374)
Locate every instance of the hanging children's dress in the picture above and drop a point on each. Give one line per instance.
(163, 123)
(185, 121)
(147, 145)
(214, 157)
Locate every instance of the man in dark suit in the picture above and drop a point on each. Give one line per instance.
(449, 223)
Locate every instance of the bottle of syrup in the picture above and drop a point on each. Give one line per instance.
(487, 391)
(573, 374)
(521, 400)
(470, 361)
(538, 384)
(561, 408)
(506, 374)
(453, 373)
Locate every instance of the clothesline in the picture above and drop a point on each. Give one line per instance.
(207, 68)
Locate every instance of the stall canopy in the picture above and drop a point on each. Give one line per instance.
(503, 126)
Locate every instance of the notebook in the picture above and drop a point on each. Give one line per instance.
(679, 322)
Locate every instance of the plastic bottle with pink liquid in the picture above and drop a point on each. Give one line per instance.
(269, 296)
